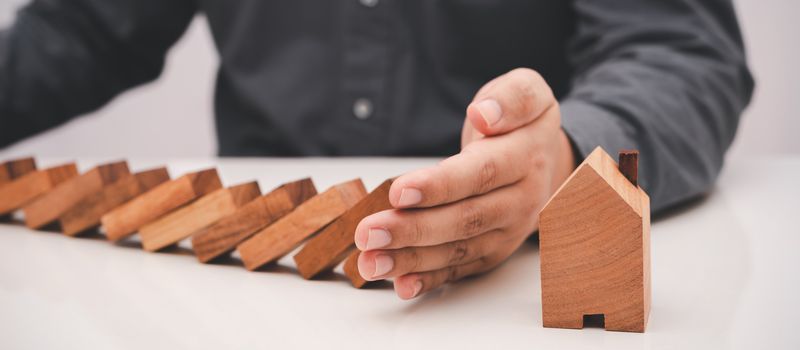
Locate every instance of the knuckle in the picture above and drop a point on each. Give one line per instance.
(526, 87)
(452, 274)
(415, 260)
(539, 162)
(472, 220)
(458, 253)
(487, 176)
(418, 230)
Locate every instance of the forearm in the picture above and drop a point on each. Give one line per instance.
(672, 86)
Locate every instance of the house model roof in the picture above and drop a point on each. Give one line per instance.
(599, 163)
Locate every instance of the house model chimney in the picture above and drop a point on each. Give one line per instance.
(629, 165)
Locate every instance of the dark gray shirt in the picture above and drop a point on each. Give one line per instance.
(393, 77)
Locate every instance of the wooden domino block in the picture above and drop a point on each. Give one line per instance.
(131, 216)
(14, 169)
(351, 269)
(180, 224)
(87, 213)
(594, 239)
(332, 245)
(280, 238)
(222, 237)
(26, 188)
(61, 198)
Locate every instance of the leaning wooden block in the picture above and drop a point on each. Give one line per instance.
(594, 237)
(53, 204)
(14, 169)
(25, 189)
(222, 237)
(179, 224)
(130, 217)
(351, 270)
(290, 231)
(87, 213)
(332, 245)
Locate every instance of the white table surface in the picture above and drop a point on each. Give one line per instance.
(724, 273)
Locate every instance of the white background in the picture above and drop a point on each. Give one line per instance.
(173, 116)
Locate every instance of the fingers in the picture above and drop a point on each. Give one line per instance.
(392, 229)
(483, 166)
(510, 101)
(382, 264)
(412, 285)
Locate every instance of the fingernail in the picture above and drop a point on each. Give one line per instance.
(410, 196)
(417, 288)
(490, 111)
(378, 238)
(383, 264)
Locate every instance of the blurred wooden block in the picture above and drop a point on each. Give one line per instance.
(86, 214)
(131, 216)
(181, 223)
(332, 245)
(351, 269)
(61, 198)
(290, 231)
(14, 169)
(222, 237)
(26, 188)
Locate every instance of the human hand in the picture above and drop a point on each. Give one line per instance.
(470, 212)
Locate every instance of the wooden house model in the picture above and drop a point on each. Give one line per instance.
(594, 236)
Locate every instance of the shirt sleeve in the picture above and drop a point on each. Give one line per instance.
(63, 58)
(668, 78)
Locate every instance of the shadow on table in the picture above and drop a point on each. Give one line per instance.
(680, 208)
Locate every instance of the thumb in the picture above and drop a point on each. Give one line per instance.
(510, 101)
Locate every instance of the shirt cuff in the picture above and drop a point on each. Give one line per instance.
(589, 126)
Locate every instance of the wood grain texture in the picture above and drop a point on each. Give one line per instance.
(332, 245)
(222, 237)
(86, 214)
(27, 188)
(15, 168)
(131, 216)
(50, 206)
(351, 269)
(181, 223)
(594, 237)
(286, 234)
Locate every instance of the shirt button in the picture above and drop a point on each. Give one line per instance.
(362, 108)
(369, 3)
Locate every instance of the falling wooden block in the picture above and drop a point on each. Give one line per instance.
(131, 216)
(594, 237)
(222, 237)
(14, 169)
(332, 245)
(61, 198)
(27, 188)
(86, 214)
(181, 223)
(351, 270)
(286, 234)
